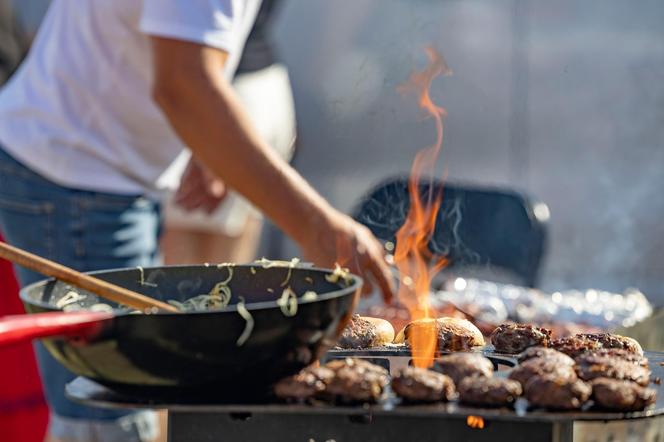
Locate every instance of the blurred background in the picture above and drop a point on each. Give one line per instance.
(562, 100)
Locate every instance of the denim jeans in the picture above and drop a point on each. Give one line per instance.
(80, 229)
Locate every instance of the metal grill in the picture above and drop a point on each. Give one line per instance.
(203, 416)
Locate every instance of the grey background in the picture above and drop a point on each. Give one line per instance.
(562, 99)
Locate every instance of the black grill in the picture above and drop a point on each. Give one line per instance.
(205, 417)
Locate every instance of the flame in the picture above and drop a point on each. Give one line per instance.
(475, 422)
(412, 256)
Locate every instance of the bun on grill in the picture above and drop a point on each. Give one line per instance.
(453, 333)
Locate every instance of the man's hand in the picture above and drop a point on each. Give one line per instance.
(341, 240)
(199, 189)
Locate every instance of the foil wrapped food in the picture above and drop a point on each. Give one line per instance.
(497, 303)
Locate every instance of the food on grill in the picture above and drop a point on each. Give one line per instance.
(453, 334)
(364, 332)
(557, 392)
(620, 353)
(461, 365)
(546, 353)
(355, 380)
(515, 338)
(574, 345)
(490, 392)
(415, 384)
(541, 367)
(618, 395)
(589, 342)
(304, 385)
(590, 366)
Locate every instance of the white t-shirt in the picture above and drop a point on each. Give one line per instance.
(79, 111)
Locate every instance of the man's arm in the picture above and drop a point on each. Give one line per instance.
(202, 108)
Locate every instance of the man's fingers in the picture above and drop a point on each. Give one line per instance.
(367, 287)
(382, 275)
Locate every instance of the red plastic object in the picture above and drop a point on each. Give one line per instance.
(22, 328)
(23, 410)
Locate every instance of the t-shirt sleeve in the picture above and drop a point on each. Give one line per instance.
(214, 23)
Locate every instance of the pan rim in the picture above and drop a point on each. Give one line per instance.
(355, 286)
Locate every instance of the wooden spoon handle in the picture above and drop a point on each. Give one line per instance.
(101, 288)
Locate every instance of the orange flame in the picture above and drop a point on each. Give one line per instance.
(412, 255)
(475, 422)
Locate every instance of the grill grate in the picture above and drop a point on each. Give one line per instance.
(195, 418)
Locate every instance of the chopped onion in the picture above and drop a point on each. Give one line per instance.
(71, 297)
(309, 295)
(288, 302)
(339, 273)
(142, 280)
(249, 326)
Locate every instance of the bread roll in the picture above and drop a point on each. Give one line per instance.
(384, 330)
(454, 334)
(366, 332)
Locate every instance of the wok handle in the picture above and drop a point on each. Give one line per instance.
(21, 328)
(101, 288)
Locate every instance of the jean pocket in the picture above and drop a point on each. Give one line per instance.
(28, 224)
(26, 207)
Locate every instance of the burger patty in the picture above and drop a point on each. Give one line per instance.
(546, 353)
(556, 392)
(461, 365)
(574, 346)
(590, 342)
(618, 395)
(620, 354)
(514, 338)
(356, 380)
(590, 366)
(535, 367)
(491, 392)
(421, 385)
(306, 384)
(609, 340)
(359, 333)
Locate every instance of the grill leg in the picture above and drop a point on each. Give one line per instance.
(563, 432)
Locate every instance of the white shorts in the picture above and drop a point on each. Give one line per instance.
(266, 95)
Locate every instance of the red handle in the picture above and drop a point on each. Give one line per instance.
(20, 328)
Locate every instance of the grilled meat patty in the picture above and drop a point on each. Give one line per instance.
(356, 380)
(590, 366)
(590, 342)
(546, 353)
(515, 338)
(619, 353)
(359, 333)
(461, 365)
(304, 385)
(415, 384)
(618, 395)
(491, 392)
(609, 340)
(541, 367)
(557, 392)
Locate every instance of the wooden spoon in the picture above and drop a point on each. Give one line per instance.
(101, 288)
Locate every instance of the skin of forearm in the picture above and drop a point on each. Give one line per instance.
(203, 109)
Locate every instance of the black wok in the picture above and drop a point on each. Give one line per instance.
(167, 352)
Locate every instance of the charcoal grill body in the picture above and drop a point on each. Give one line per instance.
(475, 226)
